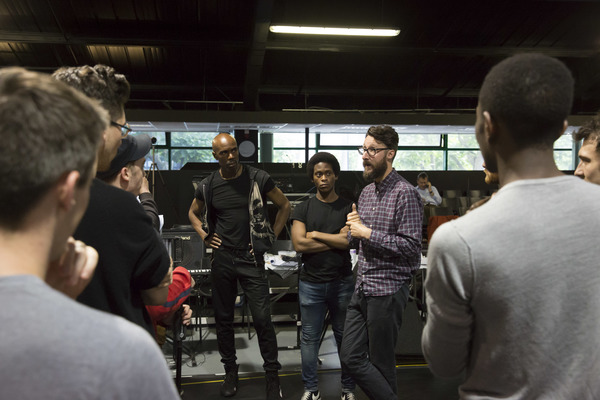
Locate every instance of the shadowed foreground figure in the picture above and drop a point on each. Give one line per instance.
(513, 287)
(52, 135)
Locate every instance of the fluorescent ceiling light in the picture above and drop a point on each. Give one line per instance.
(314, 30)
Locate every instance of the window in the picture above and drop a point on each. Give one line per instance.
(192, 139)
(563, 152)
(180, 157)
(419, 160)
(416, 151)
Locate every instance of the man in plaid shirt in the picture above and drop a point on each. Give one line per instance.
(387, 224)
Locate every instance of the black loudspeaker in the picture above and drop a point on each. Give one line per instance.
(185, 247)
(247, 141)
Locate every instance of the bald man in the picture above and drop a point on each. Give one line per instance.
(239, 238)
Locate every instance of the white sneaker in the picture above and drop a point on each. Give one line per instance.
(348, 396)
(311, 395)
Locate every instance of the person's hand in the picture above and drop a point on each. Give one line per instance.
(359, 231)
(429, 185)
(353, 215)
(186, 314)
(345, 229)
(145, 188)
(213, 240)
(74, 269)
(310, 235)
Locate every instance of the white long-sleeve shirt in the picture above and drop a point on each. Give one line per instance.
(428, 198)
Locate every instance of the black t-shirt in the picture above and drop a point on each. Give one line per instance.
(230, 205)
(325, 266)
(132, 256)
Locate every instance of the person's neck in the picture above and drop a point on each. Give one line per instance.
(329, 197)
(26, 251)
(230, 174)
(527, 164)
(387, 172)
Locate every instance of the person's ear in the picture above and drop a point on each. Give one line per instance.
(125, 174)
(215, 155)
(564, 128)
(490, 127)
(390, 155)
(66, 189)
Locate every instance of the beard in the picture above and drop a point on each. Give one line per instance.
(377, 171)
(491, 177)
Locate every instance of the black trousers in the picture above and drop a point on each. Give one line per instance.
(228, 268)
(369, 342)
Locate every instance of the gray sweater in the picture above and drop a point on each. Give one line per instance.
(513, 290)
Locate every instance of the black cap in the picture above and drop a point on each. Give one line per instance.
(132, 149)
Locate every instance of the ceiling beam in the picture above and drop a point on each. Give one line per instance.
(495, 51)
(102, 40)
(160, 40)
(256, 55)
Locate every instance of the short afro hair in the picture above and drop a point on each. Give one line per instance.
(589, 132)
(532, 95)
(323, 157)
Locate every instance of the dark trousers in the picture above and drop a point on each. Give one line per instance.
(369, 342)
(228, 267)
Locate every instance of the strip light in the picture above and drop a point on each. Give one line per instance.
(314, 30)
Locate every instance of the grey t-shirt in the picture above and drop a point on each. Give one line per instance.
(52, 347)
(513, 293)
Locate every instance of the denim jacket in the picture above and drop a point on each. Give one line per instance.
(261, 232)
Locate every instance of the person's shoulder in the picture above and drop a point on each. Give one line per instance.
(301, 208)
(451, 234)
(255, 171)
(344, 200)
(209, 177)
(110, 193)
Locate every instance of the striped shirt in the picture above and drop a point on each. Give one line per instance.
(394, 211)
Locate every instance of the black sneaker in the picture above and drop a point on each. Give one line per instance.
(229, 385)
(273, 387)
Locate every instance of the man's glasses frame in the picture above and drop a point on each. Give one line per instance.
(125, 129)
(371, 151)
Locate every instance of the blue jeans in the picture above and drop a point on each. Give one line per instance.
(370, 336)
(315, 300)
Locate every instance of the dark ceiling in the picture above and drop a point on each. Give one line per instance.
(219, 55)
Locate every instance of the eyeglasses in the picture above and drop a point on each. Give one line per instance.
(125, 129)
(371, 151)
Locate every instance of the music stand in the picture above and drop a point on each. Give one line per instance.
(154, 169)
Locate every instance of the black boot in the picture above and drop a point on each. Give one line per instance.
(229, 385)
(273, 388)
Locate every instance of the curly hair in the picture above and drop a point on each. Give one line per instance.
(323, 157)
(99, 82)
(531, 94)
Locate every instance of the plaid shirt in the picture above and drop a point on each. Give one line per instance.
(394, 211)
